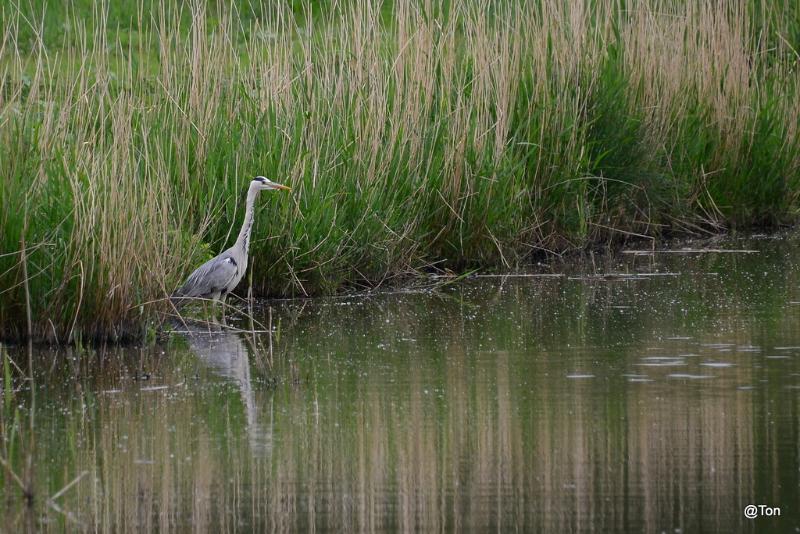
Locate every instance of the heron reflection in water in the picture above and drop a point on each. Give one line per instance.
(227, 355)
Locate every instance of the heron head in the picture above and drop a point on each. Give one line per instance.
(263, 183)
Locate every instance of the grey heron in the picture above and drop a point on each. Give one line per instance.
(220, 275)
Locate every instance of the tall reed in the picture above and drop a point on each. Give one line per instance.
(418, 133)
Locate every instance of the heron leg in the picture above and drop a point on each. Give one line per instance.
(222, 303)
(214, 306)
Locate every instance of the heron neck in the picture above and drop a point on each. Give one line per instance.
(243, 241)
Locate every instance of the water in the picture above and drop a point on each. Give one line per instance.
(638, 393)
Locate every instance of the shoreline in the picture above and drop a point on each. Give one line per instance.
(570, 264)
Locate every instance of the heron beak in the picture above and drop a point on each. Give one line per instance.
(281, 187)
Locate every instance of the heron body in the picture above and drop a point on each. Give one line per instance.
(220, 275)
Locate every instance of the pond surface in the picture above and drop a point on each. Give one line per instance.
(644, 392)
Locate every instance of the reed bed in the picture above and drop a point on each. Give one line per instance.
(415, 134)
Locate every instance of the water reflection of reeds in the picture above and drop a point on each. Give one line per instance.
(470, 459)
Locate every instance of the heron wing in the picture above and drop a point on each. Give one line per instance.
(212, 277)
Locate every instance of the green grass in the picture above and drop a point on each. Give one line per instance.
(413, 135)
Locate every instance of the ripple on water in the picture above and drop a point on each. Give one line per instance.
(578, 375)
(661, 361)
(687, 376)
(719, 365)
